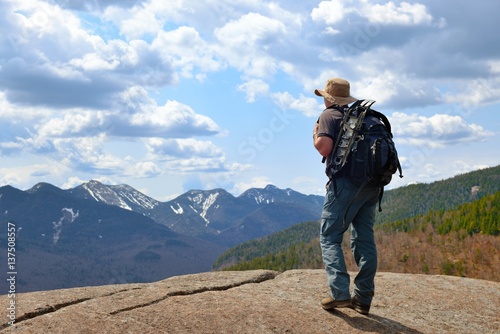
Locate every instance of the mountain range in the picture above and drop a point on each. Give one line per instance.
(97, 234)
(212, 215)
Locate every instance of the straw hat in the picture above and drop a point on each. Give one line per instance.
(337, 91)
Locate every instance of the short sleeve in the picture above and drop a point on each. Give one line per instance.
(329, 123)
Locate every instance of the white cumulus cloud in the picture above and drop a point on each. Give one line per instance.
(436, 131)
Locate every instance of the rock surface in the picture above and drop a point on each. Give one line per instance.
(259, 302)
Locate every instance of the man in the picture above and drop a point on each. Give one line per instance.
(345, 205)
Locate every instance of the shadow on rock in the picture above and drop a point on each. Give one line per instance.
(374, 323)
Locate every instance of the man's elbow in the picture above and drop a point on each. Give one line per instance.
(324, 151)
(323, 145)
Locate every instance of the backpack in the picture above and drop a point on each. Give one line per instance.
(364, 150)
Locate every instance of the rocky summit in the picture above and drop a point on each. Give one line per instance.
(259, 302)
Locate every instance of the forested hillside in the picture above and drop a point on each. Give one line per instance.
(412, 200)
(462, 241)
(481, 216)
(274, 243)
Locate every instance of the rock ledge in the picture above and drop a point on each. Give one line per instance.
(260, 302)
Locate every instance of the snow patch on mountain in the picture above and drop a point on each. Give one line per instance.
(261, 198)
(104, 194)
(179, 209)
(123, 196)
(136, 197)
(68, 216)
(207, 204)
(201, 203)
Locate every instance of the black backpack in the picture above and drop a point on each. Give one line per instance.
(364, 150)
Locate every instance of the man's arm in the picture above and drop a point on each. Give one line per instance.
(322, 143)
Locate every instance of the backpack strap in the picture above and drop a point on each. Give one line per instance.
(384, 120)
(347, 136)
(380, 198)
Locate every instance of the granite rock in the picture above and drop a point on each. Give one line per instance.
(259, 301)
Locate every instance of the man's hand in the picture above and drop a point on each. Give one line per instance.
(315, 131)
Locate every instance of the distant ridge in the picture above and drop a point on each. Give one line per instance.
(213, 215)
(98, 234)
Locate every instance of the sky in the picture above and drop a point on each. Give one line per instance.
(169, 96)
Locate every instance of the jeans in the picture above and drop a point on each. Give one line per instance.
(349, 207)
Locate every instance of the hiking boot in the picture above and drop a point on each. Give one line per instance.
(360, 307)
(329, 303)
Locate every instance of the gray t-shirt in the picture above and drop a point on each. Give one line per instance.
(329, 123)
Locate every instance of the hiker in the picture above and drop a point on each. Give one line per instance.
(346, 204)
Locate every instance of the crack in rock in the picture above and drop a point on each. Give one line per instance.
(260, 279)
(53, 308)
(44, 310)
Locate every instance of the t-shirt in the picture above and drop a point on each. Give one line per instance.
(329, 123)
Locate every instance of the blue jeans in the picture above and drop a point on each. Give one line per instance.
(349, 208)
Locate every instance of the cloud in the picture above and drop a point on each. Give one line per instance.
(183, 148)
(349, 21)
(11, 113)
(403, 14)
(95, 5)
(146, 169)
(140, 116)
(79, 138)
(329, 12)
(88, 154)
(254, 88)
(474, 93)
(136, 21)
(74, 181)
(187, 155)
(248, 42)
(134, 115)
(394, 90)
(436, 131)
(101, 86)
(23, 177)
(53, 61)
(77, 123)
(186, 51)
(254, 182)
(309, 106)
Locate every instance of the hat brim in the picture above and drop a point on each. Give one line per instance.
(340, 100)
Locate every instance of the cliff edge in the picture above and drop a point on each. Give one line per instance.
(258, 302)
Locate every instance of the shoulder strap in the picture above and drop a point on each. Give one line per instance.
(384, 120)
(348, 134)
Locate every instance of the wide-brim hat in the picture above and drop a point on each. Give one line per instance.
(337, 91)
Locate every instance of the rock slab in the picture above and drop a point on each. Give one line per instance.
(259, 301)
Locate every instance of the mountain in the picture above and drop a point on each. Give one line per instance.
(271, 194)
(123, 196)
(97, 234)
(63, 241)
(222, 218)
(213, 215)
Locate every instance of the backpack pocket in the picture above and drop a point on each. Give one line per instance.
(384, 160)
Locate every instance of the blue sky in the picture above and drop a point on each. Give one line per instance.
(168, 96)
